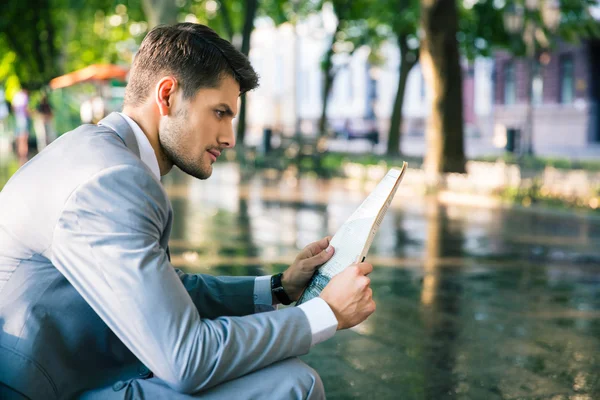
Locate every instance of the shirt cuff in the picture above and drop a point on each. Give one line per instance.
(263, 299)
(323, 323)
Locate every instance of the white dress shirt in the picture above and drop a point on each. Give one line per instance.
(322, 320)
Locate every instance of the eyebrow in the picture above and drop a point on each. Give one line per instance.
(227, 109)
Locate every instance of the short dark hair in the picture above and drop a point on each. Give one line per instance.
(195, 54)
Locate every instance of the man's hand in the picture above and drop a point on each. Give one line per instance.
(350, 296)
(296, 277)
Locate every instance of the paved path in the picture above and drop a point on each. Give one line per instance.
(472, 303)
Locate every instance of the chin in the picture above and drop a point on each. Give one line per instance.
(197, 171)
(204, 173)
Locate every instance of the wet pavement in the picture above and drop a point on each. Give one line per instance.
(472, 303)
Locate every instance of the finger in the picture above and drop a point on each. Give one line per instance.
(318, 246)
(363, 282)
(320, 258)
(364, 268)
(310, 250)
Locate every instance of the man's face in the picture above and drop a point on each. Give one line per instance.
(200, 127)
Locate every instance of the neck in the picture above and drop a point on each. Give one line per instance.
(150, 128)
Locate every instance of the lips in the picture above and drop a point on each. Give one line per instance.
(214, 154)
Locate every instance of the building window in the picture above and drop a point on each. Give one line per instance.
(510, 88)
(567, 87)
(537, 84)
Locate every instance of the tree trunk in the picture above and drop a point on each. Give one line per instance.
(38, 49)
(393, 145)
(441, 67)
(52, 50)
(251, 7)
(160, 12)
(329, 75)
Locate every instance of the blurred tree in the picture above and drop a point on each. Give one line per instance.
(52, 37)
(249, 15)
(28, 30)
(477, 28)
(402, 16)
(161, 11)
(99, 33)
(351, 32)
(343, 11)
(353, 29)
(440, 58)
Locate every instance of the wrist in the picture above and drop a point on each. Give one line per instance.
(285, 282)
(289, 287)
(279, 291)
(335, 313)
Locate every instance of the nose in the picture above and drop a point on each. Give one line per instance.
(227, 137)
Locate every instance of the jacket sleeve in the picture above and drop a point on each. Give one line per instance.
(220, 296)
(106, 243)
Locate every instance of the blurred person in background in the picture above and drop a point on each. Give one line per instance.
(90, 304)
(20, 106)
(44, 123)
(3, 111)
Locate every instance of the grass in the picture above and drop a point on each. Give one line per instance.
(536, 195)
(539, 163)
(7, 170)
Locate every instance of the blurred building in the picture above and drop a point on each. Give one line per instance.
(565, 92)
(564, 86)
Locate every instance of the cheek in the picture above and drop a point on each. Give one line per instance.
(193, 140)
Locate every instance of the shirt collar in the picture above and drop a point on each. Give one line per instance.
(147, 153)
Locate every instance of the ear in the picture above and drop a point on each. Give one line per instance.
(165, 91)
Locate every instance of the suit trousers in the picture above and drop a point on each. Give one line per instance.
(288, 379)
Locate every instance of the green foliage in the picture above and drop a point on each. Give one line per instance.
(575, 23)
(391, 19)
(100, 35)
(8, 73)
(28, 30)
(45, 39)
(358, 28)
(481, 28)
(576, 20)
(227, 21)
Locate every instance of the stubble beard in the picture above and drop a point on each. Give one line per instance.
(170, 139)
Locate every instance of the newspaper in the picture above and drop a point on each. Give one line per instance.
(353, 240)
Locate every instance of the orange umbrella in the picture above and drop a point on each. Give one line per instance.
(95, 72)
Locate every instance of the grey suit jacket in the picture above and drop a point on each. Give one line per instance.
(87, 203)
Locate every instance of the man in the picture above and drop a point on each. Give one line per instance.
(44, 129)
(90, 306)
(20, 105)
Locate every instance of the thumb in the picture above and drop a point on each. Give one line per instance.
(322, 257)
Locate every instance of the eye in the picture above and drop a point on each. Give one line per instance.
(220, 113)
